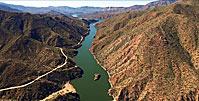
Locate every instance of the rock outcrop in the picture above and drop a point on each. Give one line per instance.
(151, 54)
(97, 76)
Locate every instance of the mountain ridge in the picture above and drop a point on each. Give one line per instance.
(28, 49)
(6, 8)
(87, 10)
(61, 9)
(110, 11)
(151, 54)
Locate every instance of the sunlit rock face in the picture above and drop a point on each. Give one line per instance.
(151, 54)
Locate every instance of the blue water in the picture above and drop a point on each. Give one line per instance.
(75, 15)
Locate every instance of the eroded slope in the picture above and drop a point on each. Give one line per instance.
(151, 54)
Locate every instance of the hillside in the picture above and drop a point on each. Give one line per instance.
(151, 55)
(28, 49)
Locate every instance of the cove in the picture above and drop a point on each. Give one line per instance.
(87, 88)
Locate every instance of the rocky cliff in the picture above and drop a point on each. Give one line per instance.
(151, 55)
(28, 49)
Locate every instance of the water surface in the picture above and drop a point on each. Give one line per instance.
(87, 88)
(75, 15)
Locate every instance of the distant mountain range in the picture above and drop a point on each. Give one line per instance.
(6, 8)
(80, 10)
(140, 7)
(111, 11)
(42, 10)
(151, 4)
(52, 12)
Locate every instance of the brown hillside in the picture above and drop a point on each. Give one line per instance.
(151, 55)
(27, 50)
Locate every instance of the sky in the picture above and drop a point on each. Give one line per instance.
(78, 3)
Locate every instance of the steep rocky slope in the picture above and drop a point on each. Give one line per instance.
(151, 55)
(28, 49)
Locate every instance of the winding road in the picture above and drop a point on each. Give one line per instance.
(82, 38)
(39, 77)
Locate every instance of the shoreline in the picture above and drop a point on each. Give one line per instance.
(106, 72)
(102, 68)
(67, 88)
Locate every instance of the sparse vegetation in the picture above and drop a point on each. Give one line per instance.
(162, 38)
(28, 49)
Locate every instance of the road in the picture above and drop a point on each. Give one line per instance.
(39, 77)
(82, 38)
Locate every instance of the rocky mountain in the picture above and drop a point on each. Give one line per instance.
(61, 9)
(159, 3)
(52, 12)
(87, 11)
(112, 11)
(28, 49)
(6, 8)
(150, 5)
(151, 55)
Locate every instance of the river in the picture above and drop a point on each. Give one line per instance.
(87, 88)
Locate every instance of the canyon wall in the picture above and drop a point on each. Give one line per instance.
(151, 54)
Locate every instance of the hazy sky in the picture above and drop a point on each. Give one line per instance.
(78, 3)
